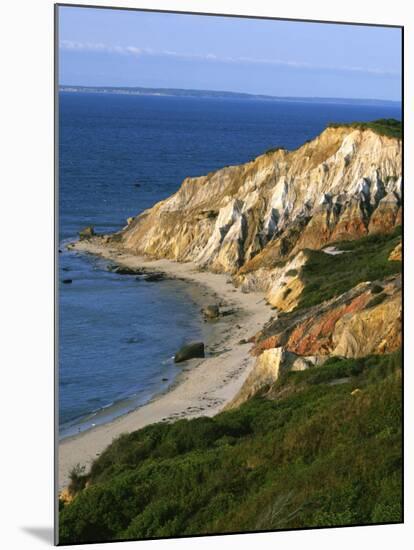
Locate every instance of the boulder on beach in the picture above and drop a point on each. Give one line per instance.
(189, 351)
(86, 233)
(211, 312)
(154, 277)
(124, 270)
(228, 311)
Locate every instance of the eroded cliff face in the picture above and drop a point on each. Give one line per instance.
(268, 368)
(260, 222)
(282, 285)
(342, 185)
(358, 323)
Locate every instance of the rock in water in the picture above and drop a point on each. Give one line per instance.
(211, 312)
(67, 281)
(154, 277)
(125, 270)
(86, 233)
(195, 349)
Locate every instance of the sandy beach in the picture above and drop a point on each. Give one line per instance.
(206, 385)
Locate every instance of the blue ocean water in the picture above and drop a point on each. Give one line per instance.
(119, 154)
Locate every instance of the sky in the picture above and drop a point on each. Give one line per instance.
(103, 47)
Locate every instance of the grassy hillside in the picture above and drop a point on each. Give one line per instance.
(312, 452)
(365, 259)
(389, 127)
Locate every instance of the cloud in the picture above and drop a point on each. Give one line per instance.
(71, 45)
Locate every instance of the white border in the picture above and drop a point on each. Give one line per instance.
(26, 217)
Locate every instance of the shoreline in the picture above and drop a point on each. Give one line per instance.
(201, 296)
(204, 386)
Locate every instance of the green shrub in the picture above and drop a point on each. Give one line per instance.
(377, 300)
(389, 127)
(365, 259)
(318, 456)
(77, 479)
(376, 289)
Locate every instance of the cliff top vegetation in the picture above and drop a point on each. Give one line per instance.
(389, 127)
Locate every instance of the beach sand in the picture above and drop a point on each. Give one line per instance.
(202, 389)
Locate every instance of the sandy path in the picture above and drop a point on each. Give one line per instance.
(205, 387)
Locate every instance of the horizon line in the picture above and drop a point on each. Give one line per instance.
(228, 92)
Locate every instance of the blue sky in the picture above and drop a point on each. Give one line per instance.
(101, 47)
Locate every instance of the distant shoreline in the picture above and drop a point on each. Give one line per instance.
(213, 94)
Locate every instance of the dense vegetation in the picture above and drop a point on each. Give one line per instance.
(322, 447)
(365, 259)
(389, 127)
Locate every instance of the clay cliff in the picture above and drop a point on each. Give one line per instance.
(344, 184)
(316, 229)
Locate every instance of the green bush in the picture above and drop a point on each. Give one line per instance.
(389, 127)
(77, 479)
(318, 456)
(376, 300)
(365, 259)
(376, 289)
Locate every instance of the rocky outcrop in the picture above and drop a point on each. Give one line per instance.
(268, 368)
(363, 321)
(189, 351)
(282, 285)
(211, 312)
(396, 254)
(86, 233)
(373, 330)
(265, 372)
(386, 215)
(359, 322)
(342, 185)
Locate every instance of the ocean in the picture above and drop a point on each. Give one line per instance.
(118, 155)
